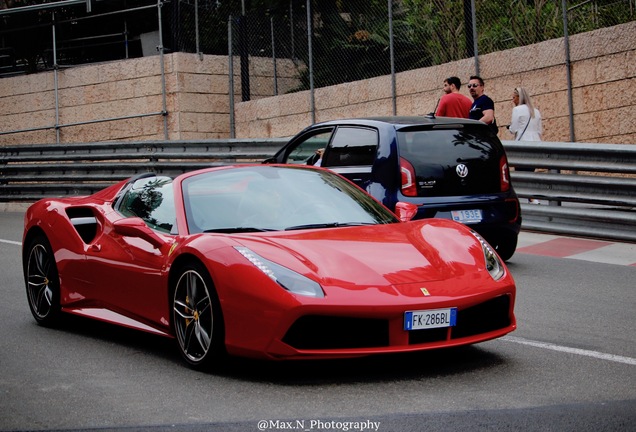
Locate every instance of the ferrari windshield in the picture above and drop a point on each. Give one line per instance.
(274, 198)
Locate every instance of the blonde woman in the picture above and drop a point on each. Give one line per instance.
(525, 123)
(526, 119)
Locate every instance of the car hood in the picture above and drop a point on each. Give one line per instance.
(382, 255)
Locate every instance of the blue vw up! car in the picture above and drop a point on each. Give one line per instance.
(450, 168)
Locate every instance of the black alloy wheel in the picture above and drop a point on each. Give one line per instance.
(42, 282)
(197, 318)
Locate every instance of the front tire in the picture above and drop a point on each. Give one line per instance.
(197, 318)
(42, 282)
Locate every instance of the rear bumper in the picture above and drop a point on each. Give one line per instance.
(500, 216)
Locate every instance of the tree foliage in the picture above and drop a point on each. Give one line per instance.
(439, 31)
(351, 37)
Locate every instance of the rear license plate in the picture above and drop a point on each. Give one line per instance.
(427, 319)
(466, 216)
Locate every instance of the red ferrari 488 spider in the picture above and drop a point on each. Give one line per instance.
(264, 261)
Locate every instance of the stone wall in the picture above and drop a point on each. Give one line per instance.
(198, 107)
(603, 79)
(197, 101)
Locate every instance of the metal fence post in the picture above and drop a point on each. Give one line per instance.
(243, 51)
(164, 110)
(271, 21)
(56, 81)
(312, 102)
(473, 13)
(231, 77)
(126, 38)
(392, 55)
(291, 30)
(568, 72)
(196, 29)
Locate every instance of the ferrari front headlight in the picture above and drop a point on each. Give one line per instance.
(493, 262)
(286, 278)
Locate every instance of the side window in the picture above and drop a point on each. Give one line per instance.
(352, 146)
(151, 199)
(306, 152)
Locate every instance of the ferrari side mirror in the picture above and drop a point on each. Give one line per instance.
(405, 211)
(136, 227)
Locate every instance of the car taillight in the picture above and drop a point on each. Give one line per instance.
(408, 178)
(512, 209)
(504, 174)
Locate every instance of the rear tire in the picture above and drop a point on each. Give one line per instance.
(197, 319)
(506, 247)
(42, 282)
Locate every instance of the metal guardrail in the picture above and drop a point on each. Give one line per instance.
(31, 172)
(586, 190)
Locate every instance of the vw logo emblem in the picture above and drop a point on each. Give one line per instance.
(461, 170)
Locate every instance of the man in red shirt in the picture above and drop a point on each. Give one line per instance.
(453, 103)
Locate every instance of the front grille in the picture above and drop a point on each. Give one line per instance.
(485, 317)
(329, 332)
(428, 335)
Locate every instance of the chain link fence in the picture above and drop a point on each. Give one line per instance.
(339, 42)
(330, 40)
(46, 36)
(290, 45)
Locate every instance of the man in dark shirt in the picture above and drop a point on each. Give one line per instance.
(483, 108)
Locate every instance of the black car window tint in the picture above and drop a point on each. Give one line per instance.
(309, 150)
(352, 146)
(152, 200)
(435, 155)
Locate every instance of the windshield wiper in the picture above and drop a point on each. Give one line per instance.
(237, 230)
(327, 225)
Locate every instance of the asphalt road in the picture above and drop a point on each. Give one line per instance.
(571, 366)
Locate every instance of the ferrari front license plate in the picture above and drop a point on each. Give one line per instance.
(467, 216)
(427, 319)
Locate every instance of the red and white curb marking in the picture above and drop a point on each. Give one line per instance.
(599, 251)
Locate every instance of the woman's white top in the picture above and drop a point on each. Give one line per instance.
(521, 118)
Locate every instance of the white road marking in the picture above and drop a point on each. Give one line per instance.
(11, 242)
(578, 351)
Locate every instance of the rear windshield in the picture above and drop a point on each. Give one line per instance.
(436, 153)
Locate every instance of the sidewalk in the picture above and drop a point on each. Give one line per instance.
(601, 251)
